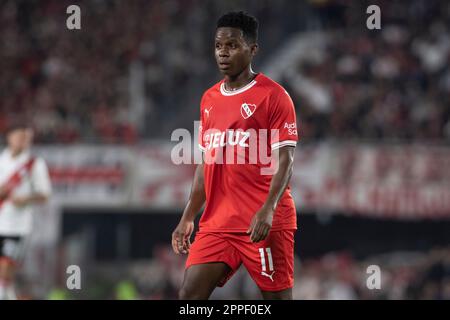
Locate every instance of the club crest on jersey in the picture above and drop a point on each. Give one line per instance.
(247, 109)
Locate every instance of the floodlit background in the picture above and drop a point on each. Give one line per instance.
(371, 180)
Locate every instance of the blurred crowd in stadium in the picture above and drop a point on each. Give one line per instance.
(74, 85)
(404, 275)
(391, 83)
(334, 276)
(338, 276)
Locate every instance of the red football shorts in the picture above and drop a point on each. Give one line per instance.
(270, 262)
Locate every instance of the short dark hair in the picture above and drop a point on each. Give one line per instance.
(240, 20)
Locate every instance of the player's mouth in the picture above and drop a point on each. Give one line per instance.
(224, 65)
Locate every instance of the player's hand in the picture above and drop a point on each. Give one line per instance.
(19, 201)
(261, 224)
(181, 236)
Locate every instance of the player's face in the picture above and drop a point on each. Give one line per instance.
(20, 139)
(233, 53)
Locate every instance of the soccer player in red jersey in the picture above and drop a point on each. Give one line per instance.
(249, 216)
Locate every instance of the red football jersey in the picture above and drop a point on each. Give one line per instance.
(238, 132)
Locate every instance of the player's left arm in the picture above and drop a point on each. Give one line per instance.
(40, 182)
(282, 122)
(262, 221)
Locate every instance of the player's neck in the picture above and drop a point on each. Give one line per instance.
(240, 80)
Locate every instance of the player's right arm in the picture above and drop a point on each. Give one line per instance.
(182, 233)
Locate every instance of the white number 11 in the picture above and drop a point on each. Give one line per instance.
(263, 259)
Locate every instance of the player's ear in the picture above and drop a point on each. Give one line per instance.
(254, 49)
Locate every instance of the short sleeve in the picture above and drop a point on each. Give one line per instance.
(40, 178)
(282, 121)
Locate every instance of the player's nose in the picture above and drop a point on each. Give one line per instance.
(223, 53)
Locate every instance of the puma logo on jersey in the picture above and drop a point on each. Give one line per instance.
(207, 111)
(230, 137)
(247, 109)
(270, 276)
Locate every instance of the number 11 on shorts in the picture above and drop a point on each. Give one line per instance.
(263, 262)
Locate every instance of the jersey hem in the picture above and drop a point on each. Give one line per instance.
(277, 145)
